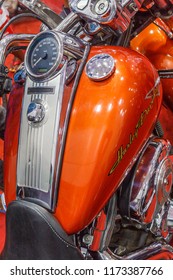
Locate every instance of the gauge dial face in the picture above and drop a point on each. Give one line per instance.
(44, 55)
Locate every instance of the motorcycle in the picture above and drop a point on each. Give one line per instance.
(87, 171)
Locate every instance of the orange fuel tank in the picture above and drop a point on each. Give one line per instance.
(110, 122)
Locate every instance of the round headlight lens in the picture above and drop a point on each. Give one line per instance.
(100, 67)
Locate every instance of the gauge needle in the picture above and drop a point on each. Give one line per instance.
(37, 61)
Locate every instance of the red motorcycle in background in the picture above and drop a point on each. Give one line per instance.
(88, 172)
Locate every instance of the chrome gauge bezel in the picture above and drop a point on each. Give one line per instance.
(28, 63)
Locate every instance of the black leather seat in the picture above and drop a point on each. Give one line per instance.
(33, 233)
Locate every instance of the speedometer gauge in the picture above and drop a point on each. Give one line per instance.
(44, 55)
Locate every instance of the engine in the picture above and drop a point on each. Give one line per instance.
(145, 201)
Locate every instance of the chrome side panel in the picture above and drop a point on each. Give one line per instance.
(38, 140)
(46, 110)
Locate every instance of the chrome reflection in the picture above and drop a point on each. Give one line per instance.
(12, 40)
(149, 189)
(42, 10)
(71, 70)
(102, 11)
(42, 137)
(154, 250)
(100, 67)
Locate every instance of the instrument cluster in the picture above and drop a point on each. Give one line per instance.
(116, 14)
(102, 11)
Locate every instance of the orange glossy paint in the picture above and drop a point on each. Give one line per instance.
(154, 43)
(110, 122)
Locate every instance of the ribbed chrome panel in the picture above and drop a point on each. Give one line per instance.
(44, 123)
(38, 142)
(34, 153)
(34, 157)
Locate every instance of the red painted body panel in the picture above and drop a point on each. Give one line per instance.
(11, 142)
(2, 231)
(110, 122)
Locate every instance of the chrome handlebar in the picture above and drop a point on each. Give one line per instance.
(44, 12)
(117, 14)
(12, 40)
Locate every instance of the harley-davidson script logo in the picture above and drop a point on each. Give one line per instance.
(123, 150)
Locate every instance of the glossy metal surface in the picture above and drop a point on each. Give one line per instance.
(14, 108)
(40, 53)
(170, 216)
(12, 120)
(12, 40)
(155, 251)
(29, 171)
(36, 166)
(100, 67)
(35, 112)
(43, 11)
(114, 13)
(66, 24)
(155, 43)
(104, 226)
(45, 111)
(102, 11)
(150, 187)
(109, 124)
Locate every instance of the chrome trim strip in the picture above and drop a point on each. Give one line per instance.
(149, 251)
(73, 46)
(142, 254)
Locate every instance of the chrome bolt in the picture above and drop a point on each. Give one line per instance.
(87, 239)
(165, 181)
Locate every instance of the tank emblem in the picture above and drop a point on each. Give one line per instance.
(35, 112)
(123, 150)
